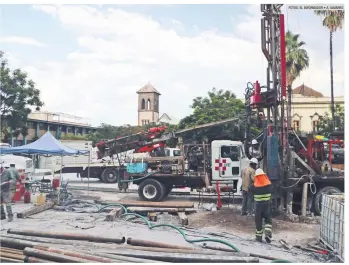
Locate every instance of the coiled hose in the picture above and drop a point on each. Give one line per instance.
(151, 226)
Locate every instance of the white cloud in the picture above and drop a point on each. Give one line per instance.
(118, 52)
(21, 40)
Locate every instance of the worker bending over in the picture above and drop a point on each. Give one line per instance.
(261, 190)
(247, 181)
(8, 189)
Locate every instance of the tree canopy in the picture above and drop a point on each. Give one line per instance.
(18, 95)
(218, 105)
(326, 123)
(297, 58)
(332, 19)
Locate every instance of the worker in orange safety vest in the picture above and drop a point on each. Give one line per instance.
(261, 190)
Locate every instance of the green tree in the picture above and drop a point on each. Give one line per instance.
(18, 95)
(297, 60)
(326, 123)
(217, 106)
(333, 20)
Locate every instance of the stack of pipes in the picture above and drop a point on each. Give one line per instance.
(24, 246)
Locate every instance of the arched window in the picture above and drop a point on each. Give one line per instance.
(148, 105)
(143, 104)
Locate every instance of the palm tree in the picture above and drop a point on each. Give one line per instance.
(333, 20)
(297, 60)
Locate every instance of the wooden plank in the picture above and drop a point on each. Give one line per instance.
(35, 210)
(171, 204)
(338, 166)
(183, 217)
(160, 210)
(113, 214)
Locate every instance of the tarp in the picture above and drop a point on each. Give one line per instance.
(45, 145)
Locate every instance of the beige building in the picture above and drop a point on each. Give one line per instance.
(148, 107)
(308, 106)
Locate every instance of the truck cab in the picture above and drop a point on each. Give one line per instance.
(228, 160)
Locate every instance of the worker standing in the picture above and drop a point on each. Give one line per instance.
(254, 149)
(247, 181)
(8, 190)
(261, 190)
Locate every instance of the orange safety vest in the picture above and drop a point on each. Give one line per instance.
(261, 181)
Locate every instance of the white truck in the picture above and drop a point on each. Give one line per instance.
(202, 166)
(108, 170)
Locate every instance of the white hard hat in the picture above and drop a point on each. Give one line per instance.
(254, 160)
(259, 171)
(254, 141)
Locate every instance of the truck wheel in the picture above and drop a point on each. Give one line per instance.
(151, 190)
(318, 197)
(110, 175)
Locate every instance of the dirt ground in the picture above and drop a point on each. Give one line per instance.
(226, 223)
(230, 220)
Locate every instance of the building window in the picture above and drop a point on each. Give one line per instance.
(315, 126)
(42, 126)
(143, 104)
(148, 104)
(296, 126)
(30, 125)
(144, 122)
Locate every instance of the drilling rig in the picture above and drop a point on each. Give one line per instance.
(272, 99)
(288, 170)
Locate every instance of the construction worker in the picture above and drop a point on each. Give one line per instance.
(247, 180)
(261, 190)
(8, 191)
(254, 149)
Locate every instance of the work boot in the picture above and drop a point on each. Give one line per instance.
(2, 212)
(268, 239)
(10, 218)
(243, 214)
(259, 239)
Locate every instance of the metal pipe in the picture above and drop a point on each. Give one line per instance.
(16, 243)
(146, 243)
(75, 254)
(9, 260)
(28, 259)
(151, 204)
(67, 236)
(181, 257)
(231, 250)
(304, 199)
(13, 250)
(38, 253)
(124, 259)
(12, 255)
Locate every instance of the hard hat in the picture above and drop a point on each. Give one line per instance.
(254, 160)
(259, 171)
(254, 141)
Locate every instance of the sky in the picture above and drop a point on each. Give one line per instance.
(89, 60)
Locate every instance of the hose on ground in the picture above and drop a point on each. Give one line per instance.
(151, 226)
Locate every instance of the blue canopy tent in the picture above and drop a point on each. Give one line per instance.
(45, 145)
